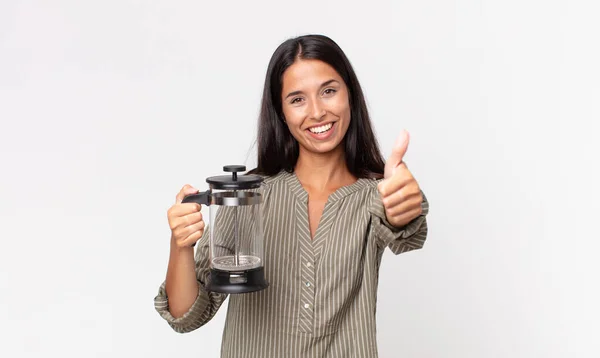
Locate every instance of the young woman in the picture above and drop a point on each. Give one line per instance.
(331, 207)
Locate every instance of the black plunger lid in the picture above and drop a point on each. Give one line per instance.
(233, 181)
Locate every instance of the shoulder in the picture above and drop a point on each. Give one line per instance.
(360, 193)
(369, 184)
(272, 180)
(370, 193)
(278, 183)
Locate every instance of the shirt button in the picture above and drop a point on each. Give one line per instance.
(306, 305)
(308, 284)
(308, 264)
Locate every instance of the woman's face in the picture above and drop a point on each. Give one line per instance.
(315, 104)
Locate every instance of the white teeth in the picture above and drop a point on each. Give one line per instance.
(321, 129)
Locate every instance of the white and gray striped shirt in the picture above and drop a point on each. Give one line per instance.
(322, 292)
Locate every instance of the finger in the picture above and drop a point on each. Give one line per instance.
(179, 210)
(190, 219)
(406, 205)
(193, 238)
(400, 179)
(186, 190)
(182, 221)
(401, 195)
(403, 219)
(189, 230)
(397, 155)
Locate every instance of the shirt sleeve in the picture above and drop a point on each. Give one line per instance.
(207, 303)
(410, 237)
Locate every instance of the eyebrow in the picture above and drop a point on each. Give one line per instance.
(326, 83)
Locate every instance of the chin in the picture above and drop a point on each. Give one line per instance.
(325, 148)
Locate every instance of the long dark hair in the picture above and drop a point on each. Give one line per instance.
(277, 148)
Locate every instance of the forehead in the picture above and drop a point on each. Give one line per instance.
(308, 73)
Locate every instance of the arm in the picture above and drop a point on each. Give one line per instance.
(186, 277)
(181, 285)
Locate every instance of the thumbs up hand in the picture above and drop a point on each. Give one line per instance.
(400, 192)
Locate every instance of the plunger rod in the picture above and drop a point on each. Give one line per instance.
(236, 256)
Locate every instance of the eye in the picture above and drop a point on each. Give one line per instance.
(329, 91)
(296, 100)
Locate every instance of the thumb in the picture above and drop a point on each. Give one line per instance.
(185, 191)
(398, 152)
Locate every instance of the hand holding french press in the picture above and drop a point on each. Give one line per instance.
(236, 247)
(185, 219)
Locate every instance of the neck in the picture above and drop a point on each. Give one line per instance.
(323, 171)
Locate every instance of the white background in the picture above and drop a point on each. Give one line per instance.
(107, 108)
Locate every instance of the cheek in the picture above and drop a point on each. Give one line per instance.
(293, 123)
(293, 116)
(293, 120)
(340, 107)
(343, 112)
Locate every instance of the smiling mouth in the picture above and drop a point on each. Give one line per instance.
(321, 129)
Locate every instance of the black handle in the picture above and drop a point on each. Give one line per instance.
(202, 198)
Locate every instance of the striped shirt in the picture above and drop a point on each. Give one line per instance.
(321, 299)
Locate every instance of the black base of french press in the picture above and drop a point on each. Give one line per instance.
(233, 282)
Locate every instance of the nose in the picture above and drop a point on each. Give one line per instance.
(317, 112)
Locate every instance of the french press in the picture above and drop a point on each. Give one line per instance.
(236, 232)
